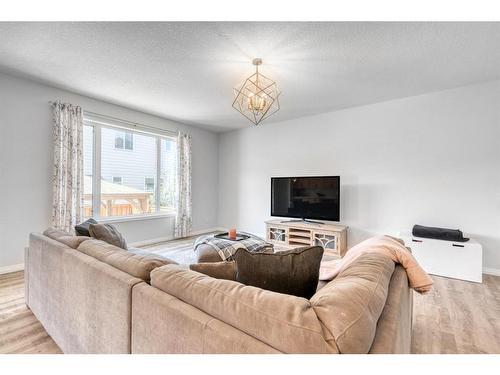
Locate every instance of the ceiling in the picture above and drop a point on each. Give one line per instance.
(186, 71)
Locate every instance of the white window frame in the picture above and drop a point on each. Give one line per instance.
(98, 122)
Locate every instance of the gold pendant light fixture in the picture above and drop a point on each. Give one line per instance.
(257, 99)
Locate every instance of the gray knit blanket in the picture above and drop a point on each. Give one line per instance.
(227, 248)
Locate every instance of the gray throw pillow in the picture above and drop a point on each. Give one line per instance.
(217, 270)
(82, 229)
(294, 272)
(107, 233)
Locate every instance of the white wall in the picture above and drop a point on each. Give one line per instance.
(26, 165)
(432, 159)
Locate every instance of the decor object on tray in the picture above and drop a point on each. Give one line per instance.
(439, 233)
(232, 234)
(226, 248)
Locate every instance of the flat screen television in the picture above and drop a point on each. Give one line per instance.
(306, 197)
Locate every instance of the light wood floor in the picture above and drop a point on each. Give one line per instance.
(456, 317)
(20, 331)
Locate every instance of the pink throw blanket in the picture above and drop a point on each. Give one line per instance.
(394, 248)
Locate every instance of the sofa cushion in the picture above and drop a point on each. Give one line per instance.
(350, 305)
(138, 265)
(217, 270)
(287, 323)
(64, 237)
(294, 272)
(82, 229)
(107, 233)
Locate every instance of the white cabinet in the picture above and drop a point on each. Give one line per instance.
(458, 260)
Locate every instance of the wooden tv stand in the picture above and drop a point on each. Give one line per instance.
(332, 237)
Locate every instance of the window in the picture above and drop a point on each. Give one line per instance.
(149, 183)
(124, 140)
(117, 180)
(128, 184)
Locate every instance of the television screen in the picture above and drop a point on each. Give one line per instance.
(306, 197)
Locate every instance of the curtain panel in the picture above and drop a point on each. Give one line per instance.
(183, 219)
(68, 166)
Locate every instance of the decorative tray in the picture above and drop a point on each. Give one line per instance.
(225, 236)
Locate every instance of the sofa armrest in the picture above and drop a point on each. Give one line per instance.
(394, 327)
(287, 323)
(350, 305)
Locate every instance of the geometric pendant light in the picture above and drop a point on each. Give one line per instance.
(258, 96)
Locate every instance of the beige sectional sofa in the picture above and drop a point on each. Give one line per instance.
(84, 302)
(95, 298)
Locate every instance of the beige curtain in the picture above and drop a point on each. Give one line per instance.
(183, 219)
(68, 166)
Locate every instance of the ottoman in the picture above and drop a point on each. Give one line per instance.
(206, 253)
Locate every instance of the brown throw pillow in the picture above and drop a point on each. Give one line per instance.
(217, 270)
(107, 233)
(294, 272)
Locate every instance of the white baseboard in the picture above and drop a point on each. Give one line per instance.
(13, 268)
(168, 238)
(491, 271)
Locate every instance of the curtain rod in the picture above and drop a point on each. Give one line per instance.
(134, 124)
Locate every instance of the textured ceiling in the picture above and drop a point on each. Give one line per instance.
(186, 71)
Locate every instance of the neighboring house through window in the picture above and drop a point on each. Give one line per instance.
(117, 180)
(149, 183)
(124, 140)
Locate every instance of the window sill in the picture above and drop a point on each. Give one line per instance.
(123, 219)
